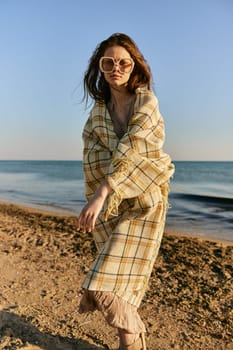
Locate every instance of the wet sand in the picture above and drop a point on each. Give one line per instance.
(43, 260)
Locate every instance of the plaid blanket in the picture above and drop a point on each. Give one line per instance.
(129, 229)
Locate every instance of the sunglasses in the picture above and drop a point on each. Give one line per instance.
(107, 64)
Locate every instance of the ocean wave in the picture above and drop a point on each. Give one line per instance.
(223, 202)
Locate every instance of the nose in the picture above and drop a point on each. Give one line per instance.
(116, 66)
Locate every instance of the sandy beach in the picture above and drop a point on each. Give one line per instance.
(43, 259)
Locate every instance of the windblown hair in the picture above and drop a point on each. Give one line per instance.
(95, 85)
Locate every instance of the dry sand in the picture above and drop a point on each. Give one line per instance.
(189, 304)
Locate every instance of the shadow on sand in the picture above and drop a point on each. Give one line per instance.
(17, 332)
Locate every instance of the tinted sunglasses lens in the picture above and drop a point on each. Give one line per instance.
(126, 65)
(107, 64)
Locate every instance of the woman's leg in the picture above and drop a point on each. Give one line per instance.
(126, 338)
(132, 341)
(118, 314)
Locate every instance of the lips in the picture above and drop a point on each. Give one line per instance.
(115, 76)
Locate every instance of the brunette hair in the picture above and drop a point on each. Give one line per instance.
(95, 85)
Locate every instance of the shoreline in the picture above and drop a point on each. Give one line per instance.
(69, 214)
(43, 261)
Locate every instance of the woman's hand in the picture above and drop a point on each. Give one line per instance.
(87, 218)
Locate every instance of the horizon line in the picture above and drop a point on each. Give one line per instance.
(78, 160)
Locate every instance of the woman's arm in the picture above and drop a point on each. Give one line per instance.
(139, 164)
(87, 218)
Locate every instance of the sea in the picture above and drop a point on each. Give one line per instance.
(201, 197)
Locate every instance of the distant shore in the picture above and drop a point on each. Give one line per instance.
(43, 260)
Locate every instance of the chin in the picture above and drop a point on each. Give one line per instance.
(117, 84)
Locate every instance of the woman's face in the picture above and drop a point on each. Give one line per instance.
(118, 74)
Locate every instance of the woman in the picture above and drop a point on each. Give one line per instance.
(127, 181)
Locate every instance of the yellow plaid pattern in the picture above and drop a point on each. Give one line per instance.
(130, 228)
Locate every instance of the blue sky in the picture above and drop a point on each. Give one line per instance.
(45, 46)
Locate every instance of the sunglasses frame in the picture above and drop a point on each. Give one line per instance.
(115, 62)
